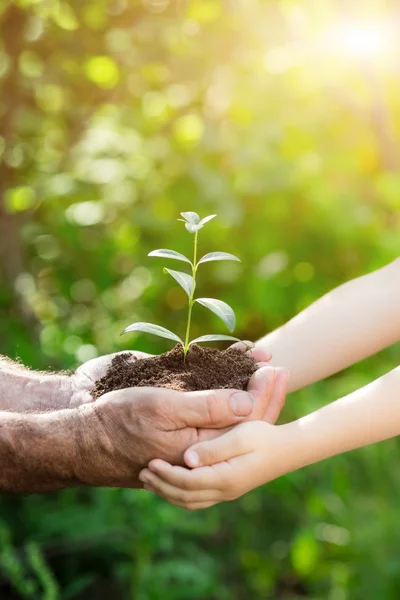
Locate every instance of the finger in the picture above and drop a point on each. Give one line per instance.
(187, 506)
(204, 478)
(259, 354)
(96, 368)
(261, 387)
(211, 408)
(260, 390)
(172, 493)
(231, 444)
(277, 401)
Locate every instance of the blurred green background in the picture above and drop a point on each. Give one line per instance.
(281, 116)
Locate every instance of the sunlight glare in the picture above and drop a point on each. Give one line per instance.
(361, 40)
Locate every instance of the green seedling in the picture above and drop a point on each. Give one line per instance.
(193, 224)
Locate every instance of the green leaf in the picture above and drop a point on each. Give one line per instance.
(191, 217)
(154, 330)
(214, 338)
(163, 252)
(184, 280)
(221, 309)
(218, 256)
(193, 228)
(206, 219)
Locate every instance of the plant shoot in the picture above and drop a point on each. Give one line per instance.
(187, 281)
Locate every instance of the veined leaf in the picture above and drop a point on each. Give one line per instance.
(163, 252)
(191, 217)
(206, 219)
(221, 309)
(218, 256)
(154, 330)
(184, 280)
(214, 338)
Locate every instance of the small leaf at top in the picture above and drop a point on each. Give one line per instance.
(154, 330)
(164, 253)
(184, 280)
(206, 219)
(214, 338)
(191, 217)
(193, 228)
(218, 256)
(221, 309)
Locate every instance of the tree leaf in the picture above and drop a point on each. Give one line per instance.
(163, 252)
(206, 219)
(191, 217)
(154, 330)
(193, 228)
(218, 256)
(184, 280)
(214, 338)
(221, 309)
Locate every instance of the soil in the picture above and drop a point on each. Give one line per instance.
(204, 369)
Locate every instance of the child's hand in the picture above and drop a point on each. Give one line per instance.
(247, 456)
(259, 354)
(259, 385)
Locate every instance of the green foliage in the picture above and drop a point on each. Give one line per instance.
(112, 115)
(193, 223)
(27, 571)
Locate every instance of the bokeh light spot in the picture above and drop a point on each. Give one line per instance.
(189, 129)
(85, 213)
(20, 199)
(103, 71)
(303, 272)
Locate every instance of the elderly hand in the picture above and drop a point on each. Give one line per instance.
(226, 467)
(123, 430)
(83, 381)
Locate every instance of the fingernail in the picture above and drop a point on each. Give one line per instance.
(143, 478)
(241, 403)
(192, 459)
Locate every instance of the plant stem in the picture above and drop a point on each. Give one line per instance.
(191, 299)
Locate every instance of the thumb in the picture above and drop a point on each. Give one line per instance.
(212, 408)
(231, 444)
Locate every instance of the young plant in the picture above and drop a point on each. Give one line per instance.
(193, 224)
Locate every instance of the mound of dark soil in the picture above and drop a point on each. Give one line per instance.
(204, 369)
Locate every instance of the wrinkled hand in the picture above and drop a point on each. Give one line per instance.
(227, 467)
(123, 430)
(83, 380)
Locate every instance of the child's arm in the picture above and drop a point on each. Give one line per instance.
(254, 453)
(350, 323)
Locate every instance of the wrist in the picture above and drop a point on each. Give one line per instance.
(92, 446)
(298, 448)
(22, 390)
(314, 439)
(38, 451)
